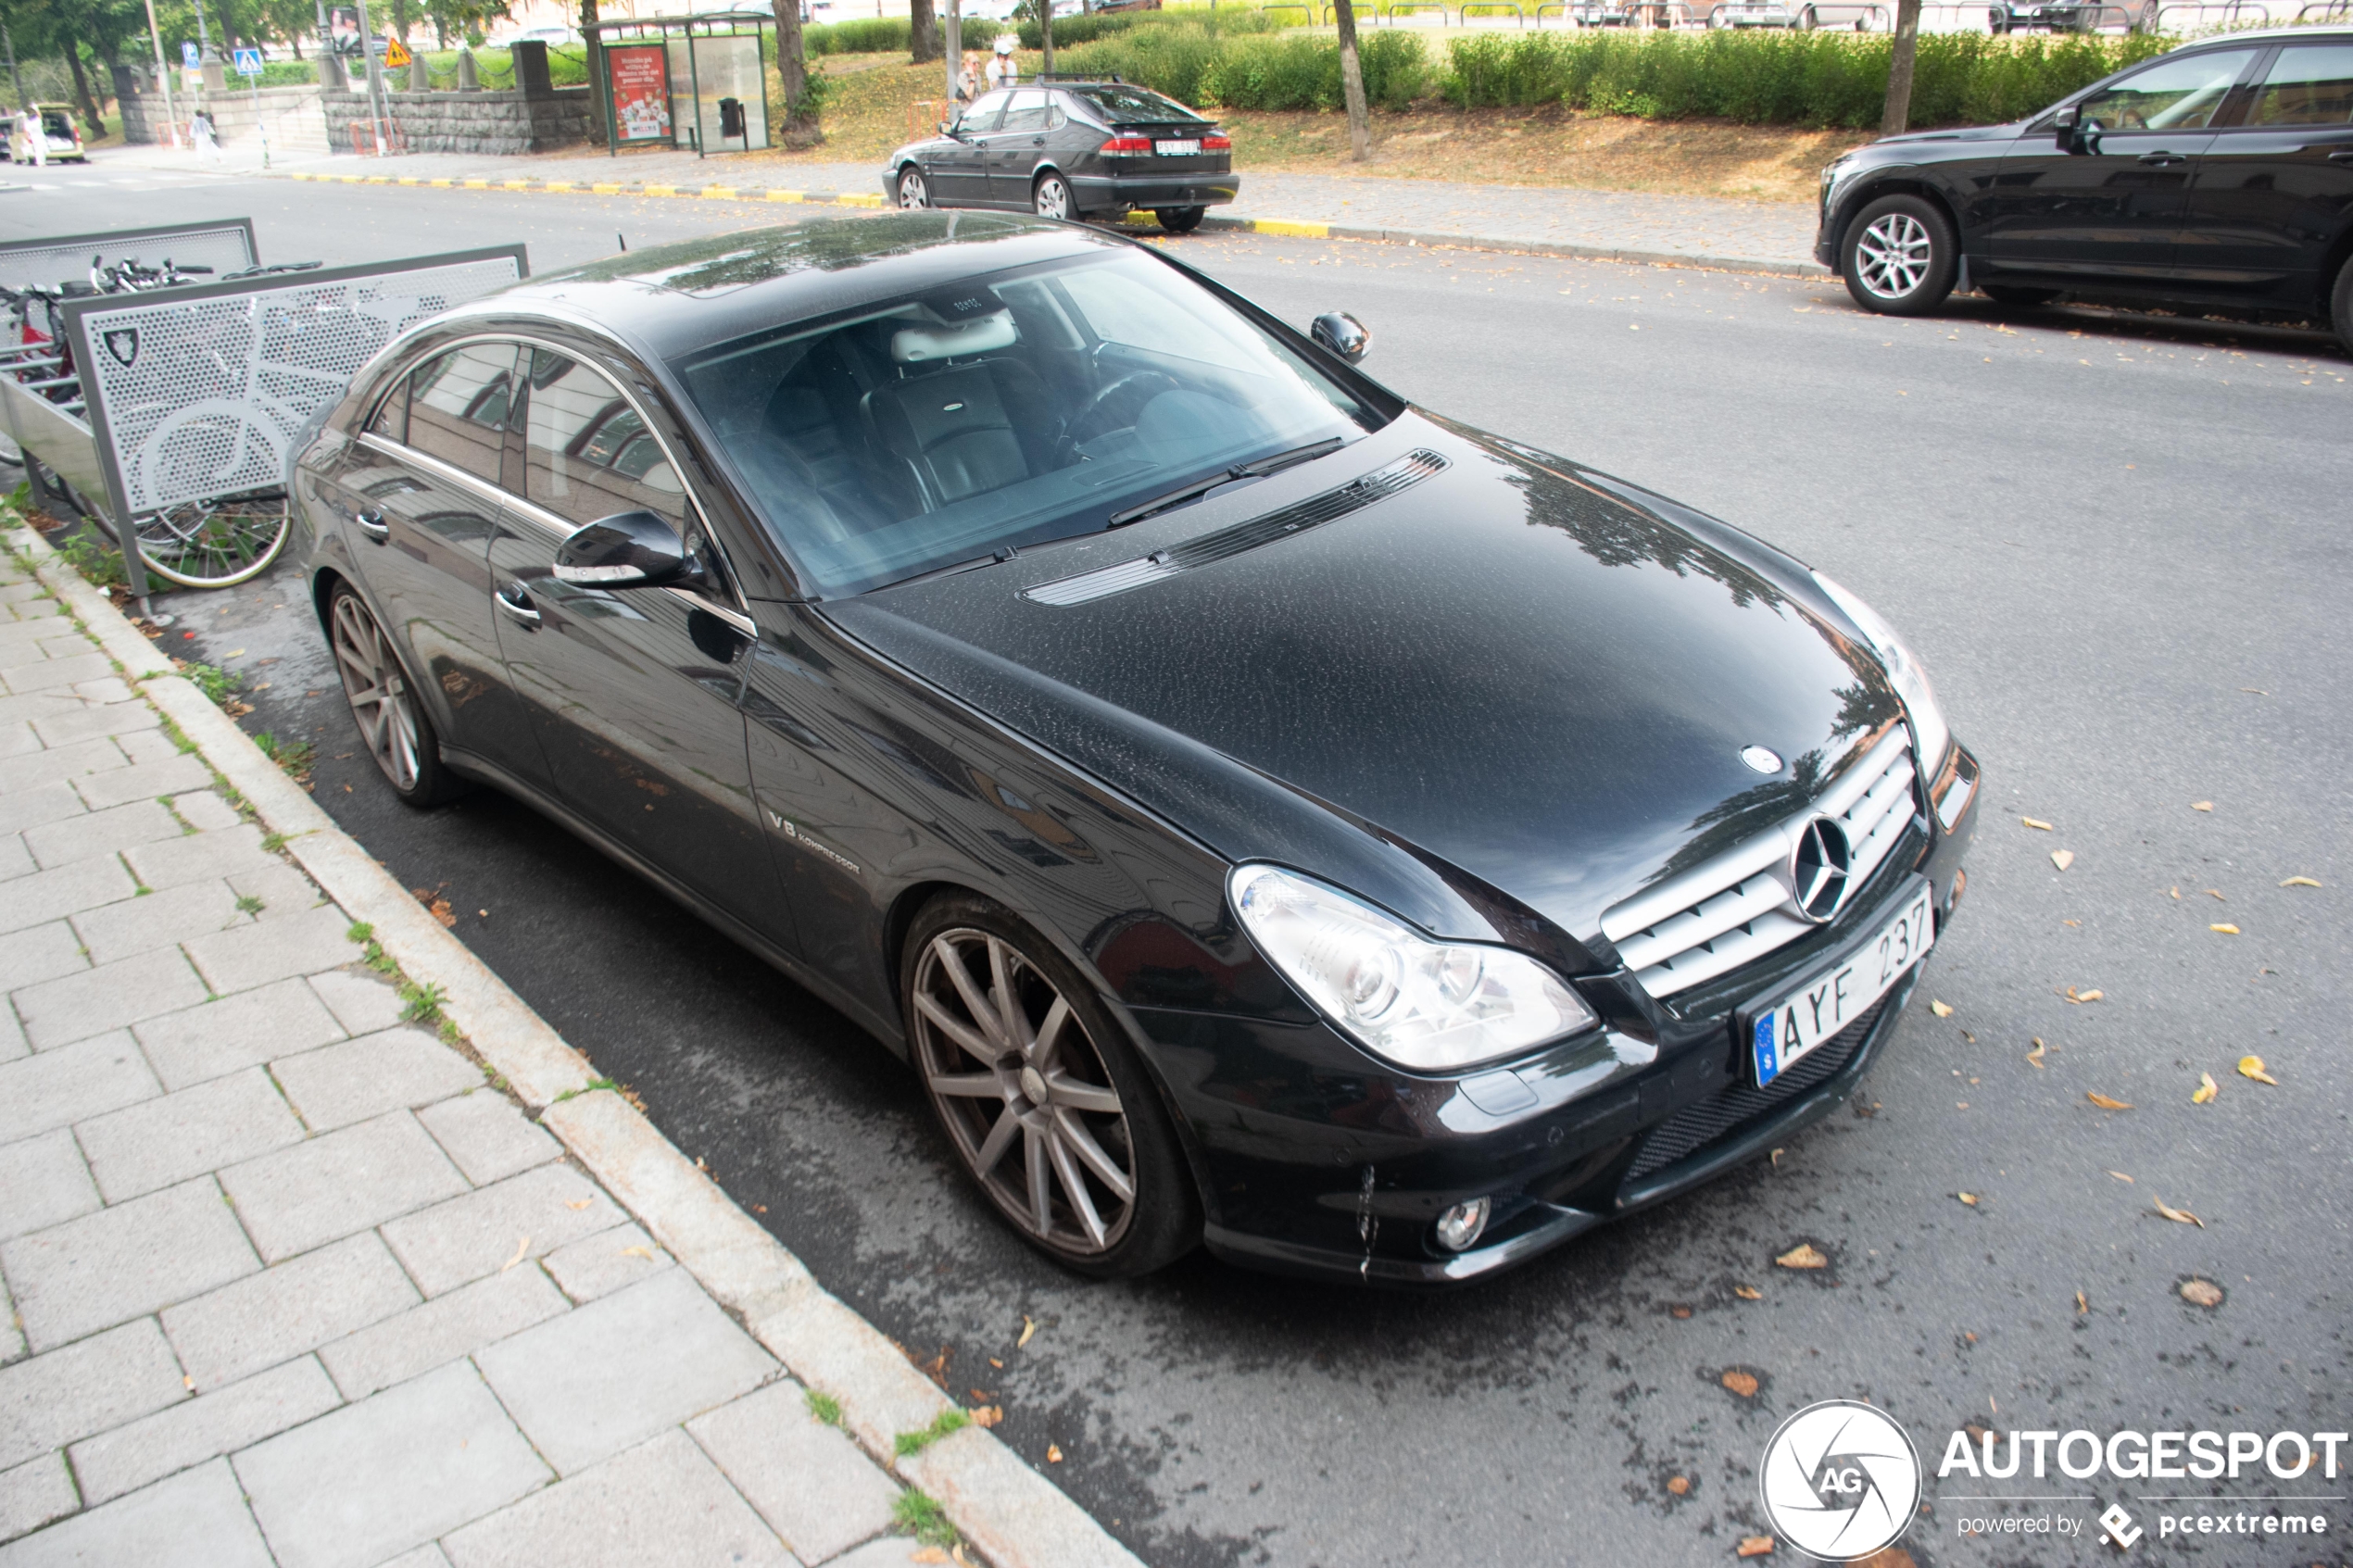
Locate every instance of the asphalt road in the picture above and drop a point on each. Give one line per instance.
(2120, 545)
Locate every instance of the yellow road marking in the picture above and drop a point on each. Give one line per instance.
(604, 189)
(786, 196)
(1300, 230)
(718, 193)
(477, 185)
(661, 190)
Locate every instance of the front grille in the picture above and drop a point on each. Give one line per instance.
(1712, 1120)
(1313, 512)
(1737, 907)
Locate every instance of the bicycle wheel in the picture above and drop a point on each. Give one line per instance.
(212, 544)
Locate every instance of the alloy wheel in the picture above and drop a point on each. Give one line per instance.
(913, 191)
(1894, 254)
(379, 695)
(1007, 1061)
(1053, 197)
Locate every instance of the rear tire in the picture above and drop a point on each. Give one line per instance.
(1900, 256)
(1050, 197)
(2017, 298)
(398, 733)
(1180, 220)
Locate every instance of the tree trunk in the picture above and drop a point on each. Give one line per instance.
(1897, 120)
(82, 90)
(792, 65)
(600, 100)
(1351, 82)
(922, 33)
(1045, 30)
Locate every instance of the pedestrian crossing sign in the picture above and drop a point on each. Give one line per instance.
(248, 61)
(394, 55)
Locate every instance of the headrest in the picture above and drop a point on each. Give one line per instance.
(922, 346)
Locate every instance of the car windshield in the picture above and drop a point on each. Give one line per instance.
(1027, 407)
(1117, 103)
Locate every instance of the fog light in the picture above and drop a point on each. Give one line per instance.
(1460, 1225)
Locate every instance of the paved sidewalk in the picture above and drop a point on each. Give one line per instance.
(288, 1280)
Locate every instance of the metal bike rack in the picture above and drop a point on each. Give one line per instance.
(191, 393)
(2326, 10)
(1437, 6)
(1307, 11)
(1468, 7)
(225, 246)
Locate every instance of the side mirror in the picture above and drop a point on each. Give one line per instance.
(2066, 127)
(626, 550)
(1343, 333)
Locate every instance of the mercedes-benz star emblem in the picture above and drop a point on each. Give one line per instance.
(1763, 759)
(1818, 871)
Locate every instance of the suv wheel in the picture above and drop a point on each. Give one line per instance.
(1050, 197)
(1045, 1103)
(1900, 256)
(913, 190)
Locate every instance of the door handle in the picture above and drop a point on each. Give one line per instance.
(373, 525)
(2161, 160)
(516, 601)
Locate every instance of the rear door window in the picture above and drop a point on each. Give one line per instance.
(2308, 84)
(1025, 112)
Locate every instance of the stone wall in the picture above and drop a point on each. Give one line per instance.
(289, 115)
(493, 123)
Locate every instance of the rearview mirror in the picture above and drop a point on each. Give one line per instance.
(1343, 333)
(626, 550)
(2067, 127)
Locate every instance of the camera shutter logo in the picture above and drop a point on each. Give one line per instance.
(1841, 1480)
(123, 344)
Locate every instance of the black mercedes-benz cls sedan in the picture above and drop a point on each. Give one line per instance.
(1072, 148)
(1262, 812)
(2219, 174)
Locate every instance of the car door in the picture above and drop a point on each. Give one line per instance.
(419, 489)
(633, 692)
(959, 165)
(1016, 144)
(2108, 201)
(2274, 193)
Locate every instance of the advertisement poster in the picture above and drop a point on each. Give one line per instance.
(640, 91)
(342, 31)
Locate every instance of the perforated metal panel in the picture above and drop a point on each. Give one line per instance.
(225, 246)
(197, 392)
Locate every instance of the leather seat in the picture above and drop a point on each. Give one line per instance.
(966, 429)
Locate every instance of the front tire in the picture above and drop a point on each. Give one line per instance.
(914, 191)
(1900, 256)
(398, 732)
(1180, 220)
(1050, 197)
(1048, 1109)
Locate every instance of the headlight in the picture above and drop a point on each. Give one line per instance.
(1430, 1006)
(1930, 734)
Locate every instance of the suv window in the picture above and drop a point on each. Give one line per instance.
(1026, 112)
(458, 406)
(587, 454)
(2308, 84)
(2174, 94)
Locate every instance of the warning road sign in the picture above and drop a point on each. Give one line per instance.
(394, 55)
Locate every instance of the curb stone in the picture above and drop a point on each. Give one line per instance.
(1015, 1516)
(1281, 227)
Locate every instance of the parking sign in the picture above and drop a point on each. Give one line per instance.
(189, 57)
(248, 61)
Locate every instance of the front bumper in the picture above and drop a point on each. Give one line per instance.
(1311, 1166)
(1125, 193)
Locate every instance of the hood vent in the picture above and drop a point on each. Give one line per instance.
(1316, 510)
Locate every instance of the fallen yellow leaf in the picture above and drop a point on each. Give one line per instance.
(988, 1415)
(1802, 1256)
(1678, 1485)
(1754, 1546)
(2179, 1216)
(2226, 930)
(2104, 1102)
(645, 1252)
(2299, 881)
(2036, 822)
(2206, 1090)
(1748, 1292)
(1027, 1328)
(2201, 805)
(1741, 1383)
(2062, 858)
(2177, 895)
(580, 1203)
(928, 1554)
(523, 1245)
(1053, 1454)
(2072, 995)
(2120, 1175)
(2252, 1067)
(2201, 1293)
(2035, 1056)
(2082, 1306)
(1967, 1198)
(2216, 894)
(1942, 1010)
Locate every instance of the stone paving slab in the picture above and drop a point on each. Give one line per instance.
(287, 1279)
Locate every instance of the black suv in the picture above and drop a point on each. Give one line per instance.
(1072, 148)
(2220, 173)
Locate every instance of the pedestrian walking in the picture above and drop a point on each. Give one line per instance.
(36, 140)
(200, 131)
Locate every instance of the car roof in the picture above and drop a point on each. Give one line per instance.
(671, 300)
(2336, 32)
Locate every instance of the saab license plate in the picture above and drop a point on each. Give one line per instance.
(1836, 997)
(1177, 150)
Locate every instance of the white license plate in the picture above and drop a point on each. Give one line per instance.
(1838, 995)
(1177, 149)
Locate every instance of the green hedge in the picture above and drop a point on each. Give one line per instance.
(870, 35)
(1813, 79)
(1277, 70)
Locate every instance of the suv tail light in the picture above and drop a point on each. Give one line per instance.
(1216, 142)
(1127, 144)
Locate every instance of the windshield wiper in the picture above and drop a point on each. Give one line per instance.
(1259, 469)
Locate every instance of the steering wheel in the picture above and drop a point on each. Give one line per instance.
(1142, 385)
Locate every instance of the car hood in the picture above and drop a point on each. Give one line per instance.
(1516, 669)
(1965, 134)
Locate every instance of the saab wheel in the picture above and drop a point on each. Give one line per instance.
(912, 189)
(1038, 1092)
(1050, 197)
(2341, 305)
(1180, 220)
(1900, 256)
(2023, 299)
(1806, 20)
(394, 724)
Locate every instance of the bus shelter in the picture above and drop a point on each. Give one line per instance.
(684, 81)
